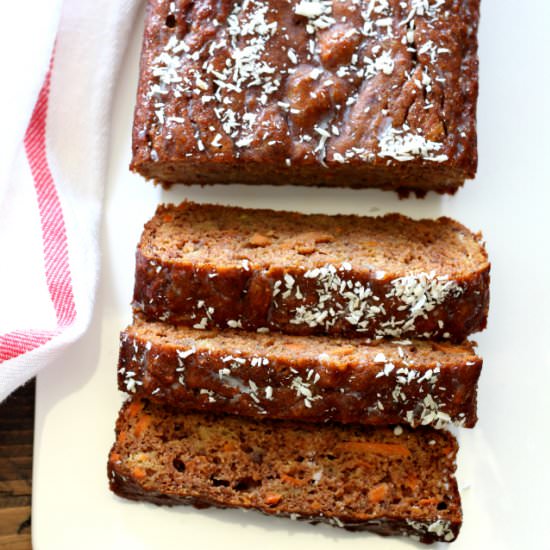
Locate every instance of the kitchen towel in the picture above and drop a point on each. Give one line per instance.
(54, 162)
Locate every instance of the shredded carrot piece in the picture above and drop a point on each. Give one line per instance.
(273, 498)
(411, 482)
(141, 425)
(315, 506)
(378, 492)
(134, 408)
(139, 473)
(294, 346)
(292, 480)
(384, 449)
(342, 352)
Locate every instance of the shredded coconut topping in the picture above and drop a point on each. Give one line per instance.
(423, 8)
(303, 389)
(184, 354)
(331, 283)
(403, 145)
(421, 293)
(130, 382)
(319, 13)
(339, 297)
(440, 527)
(246, 67)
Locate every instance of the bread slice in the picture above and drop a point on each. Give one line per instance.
(310, 378)
(211, 266)
(390, 481)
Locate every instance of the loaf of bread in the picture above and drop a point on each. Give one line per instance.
(308, 378)
(382, 479)
(208, 266)
(310, 92)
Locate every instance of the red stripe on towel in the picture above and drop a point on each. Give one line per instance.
(54, 237)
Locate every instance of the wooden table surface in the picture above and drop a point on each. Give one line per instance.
(16, 437)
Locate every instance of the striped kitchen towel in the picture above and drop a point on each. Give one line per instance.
(53, 167)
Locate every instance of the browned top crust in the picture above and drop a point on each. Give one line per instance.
(381, 479)
(325, 84)
(216, 266)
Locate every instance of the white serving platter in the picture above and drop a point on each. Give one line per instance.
(503, 463)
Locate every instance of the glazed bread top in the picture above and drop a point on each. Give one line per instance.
(309, 82)
(310, 378)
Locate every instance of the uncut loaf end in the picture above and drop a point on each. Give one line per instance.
(350, 94)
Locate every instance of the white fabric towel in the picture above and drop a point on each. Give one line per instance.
(56, 115)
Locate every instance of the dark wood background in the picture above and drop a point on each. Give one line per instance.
(16, 437)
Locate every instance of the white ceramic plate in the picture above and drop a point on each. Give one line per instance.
(503, 462)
